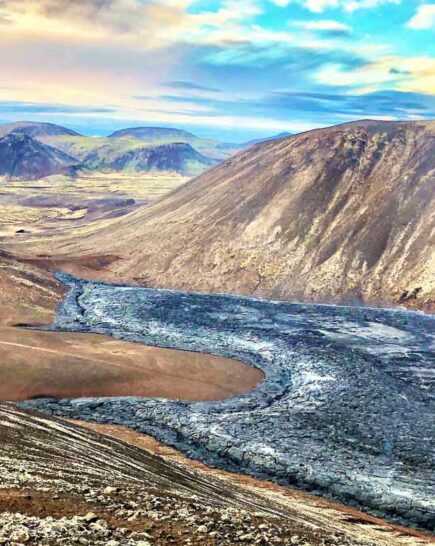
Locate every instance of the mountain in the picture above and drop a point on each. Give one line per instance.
(126, 147)
(176, 157)
(35, 129)
(155, 133)
(338, 214)
(22, 157)
(258, 140)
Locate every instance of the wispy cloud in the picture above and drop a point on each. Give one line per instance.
(41, 108)
(326, 27)
(319, 6)
(191, 86)
(389, 103)
(415, 74)
(324, 105)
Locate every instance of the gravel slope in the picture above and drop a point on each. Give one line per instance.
(62, 484)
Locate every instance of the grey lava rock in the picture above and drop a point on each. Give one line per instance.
(346, 409)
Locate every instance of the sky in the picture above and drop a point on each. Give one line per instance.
(227, 69)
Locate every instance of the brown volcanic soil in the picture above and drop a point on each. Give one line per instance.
(339, 214)
(36, 363)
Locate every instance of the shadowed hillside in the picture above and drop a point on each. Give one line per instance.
(22, 157)
(177, 157)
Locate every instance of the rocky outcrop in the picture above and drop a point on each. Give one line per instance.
(346, 409)
(22, 157)
(341, 214)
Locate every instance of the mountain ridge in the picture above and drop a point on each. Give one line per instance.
(153, 132)
(176, 156)
(284, 134)
(36, 129)
(123, 146)
(336, 214)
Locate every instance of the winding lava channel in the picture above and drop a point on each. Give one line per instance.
(346, 409)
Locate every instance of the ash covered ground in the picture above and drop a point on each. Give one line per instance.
(346, 410)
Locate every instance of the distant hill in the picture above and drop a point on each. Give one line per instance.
(22, 157)
(258, 140)
(136, 150)
(131, 148)
(177, 157)
(210, 148)
(155, 133)
(338, 214)
(35, 129)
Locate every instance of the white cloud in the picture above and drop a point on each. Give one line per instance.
(353, 5)
(319, 6)
(418, 75)
(424, 18)
(316, 6)
(326, 24)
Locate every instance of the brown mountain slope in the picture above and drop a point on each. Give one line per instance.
(339, 214)
(66, 365)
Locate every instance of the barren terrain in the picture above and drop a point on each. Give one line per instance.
(63, 484)
(344, 214)
(221, 233)
(36, 363)
(346, 409)
(56, 204)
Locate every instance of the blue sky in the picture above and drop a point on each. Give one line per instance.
(229, 69)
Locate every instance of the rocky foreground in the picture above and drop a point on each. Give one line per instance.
(63, 484)
(346, 409)
(54, 490)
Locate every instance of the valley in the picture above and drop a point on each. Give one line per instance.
(217, 273)
(246, 226)
(333, 403)
(56, 204)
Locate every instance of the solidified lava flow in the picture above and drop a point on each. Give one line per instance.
(347, 408)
